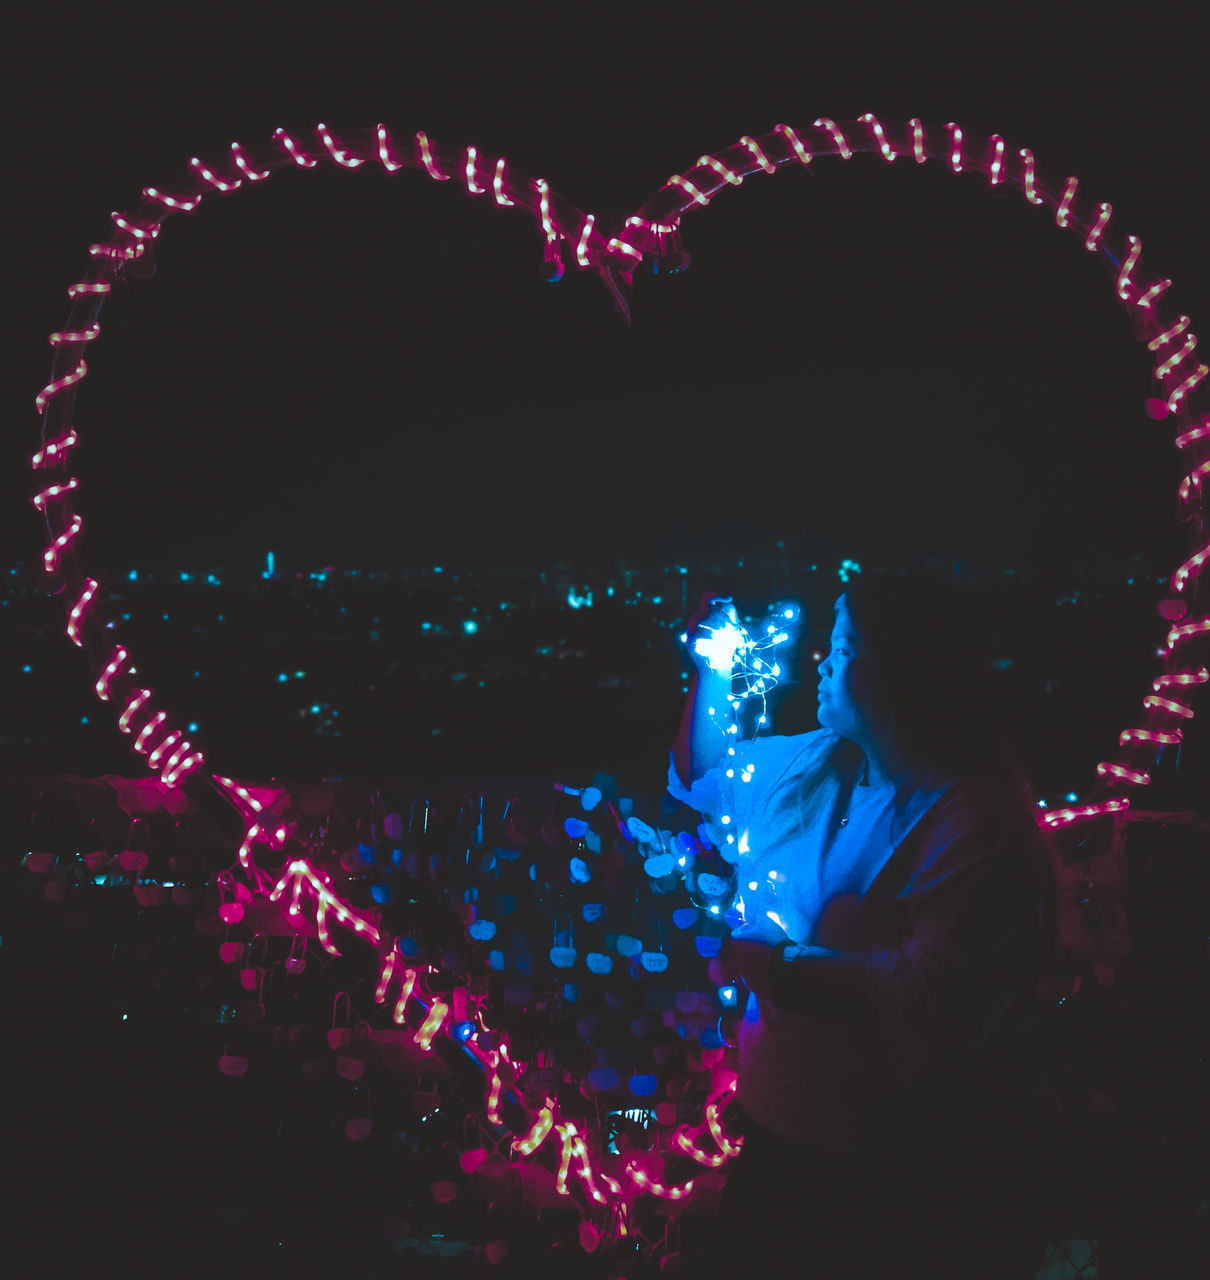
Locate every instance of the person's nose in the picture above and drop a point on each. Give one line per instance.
(824, 664)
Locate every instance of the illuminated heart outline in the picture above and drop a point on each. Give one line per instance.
(650, 236)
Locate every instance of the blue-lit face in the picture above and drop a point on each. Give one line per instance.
(844, 703)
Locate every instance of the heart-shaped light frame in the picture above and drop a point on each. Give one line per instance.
(649, 237)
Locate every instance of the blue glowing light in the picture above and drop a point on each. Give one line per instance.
(186, 577)
(463, 1031)
(282, 677)
(381, 893)
(193, 727)
(315, 708)
(470, 626)
(27, 668)
(1072, 797)
(727, 997)
(133, 575)
(83, 719)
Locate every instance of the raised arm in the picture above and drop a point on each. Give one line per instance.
(702, 738)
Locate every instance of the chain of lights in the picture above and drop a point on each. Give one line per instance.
(649, 237)
(463, 1019)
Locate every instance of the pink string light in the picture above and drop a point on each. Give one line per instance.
(1163, 370)
(1106, 768)
(431, 1024)
(241, 161)
(1185, 631)
(997, 167)
(537, 1134)
(955, 146)
(1127, 736)
(1061, 213)
(1173, 331)
(1168, 704)
(649, 1184)
(838, 138)
(102, 685)
(918, 140)
(180, 204)
(1160, 287)
(758, 155)
(340, 156)
(1065, 817)
(426, 158)
(1180, 678)
(498, 186)
(75, 335)
(1198, 376)
(55, 453)
(55, 491)
(727, 175)
(291, 149)
(140, 742)
(472, 186)
(213, 179)
(405, 994)
(1093, 239)
(50, 557)
(888, 152)
(796, 143)
(1031, 193)
(582, 248)
(1136, 247)
(390, 164)
(73, 621)
(131, 707)
(59, 385)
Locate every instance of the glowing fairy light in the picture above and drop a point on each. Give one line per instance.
(543, 188)
(1108, 768)
(842, 145)
(918, 140)
(59, 385)
(1173, 331)
(1180, 678)
(697, 196)
(582, 248)
(181, 204)
(758, 155)
(1180, 578)
(405, 994)
(102, 685)
(1136, 247)
(50, 557)
(728, 1147)
(685, 1143)
(153, 760)
(99, 286)
(727, 175)
(471, 185)
(1031, 192)
(955, 146)
(291, 149)
(54, 452)
(75, 335)
(148, 729)
(384, 979)
(1128, 736)
(432, 1024)
(1064, 817)
(1184, 631)
(340, 156)
(1164, 369)
(649, 1184)
(537, 1135)
(389, 163)
(1199, 374)
(1160, 287)
(1167, 704)
(73, 621)
(127, 253)
(1094, 236)
(426, 158)
(253, 175)
(997, 169)
(55, 491)
(804, 156)
(212, 178)
(888, 152)
(131, 707)
(1069, 195)
(498, 185)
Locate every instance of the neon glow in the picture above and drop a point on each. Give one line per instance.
(55, 491)
(73, 621)
(241, 161)
(1167, 336)
(997, 169)
(303, 162)
(59, 385)
(537, 1135)
(727, 175)
(1127, 775)
(384, 151)
(804, 156)
(1184, 631)
(1031, 193)
(51, 455)
(1154, 292)
(498, 185)
(405, 994)
(1065, 204)
(169, 202)
(1180, 579)
(955, 146)
(340, 156)
(102, 685)
(1163, 370)
(431, 1024)
(471, 185)
(1094, 236)
(1167, 704)
(1064, 817)
(77, 335)
(761, 159)
(1136, 247)
(888, 152)
(135, 703)
(50, 557)
(426, 158)
(213, 179)
(1174, 400)
(640, 1179)
(842, 145)
(918, 140)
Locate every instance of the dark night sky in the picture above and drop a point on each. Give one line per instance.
(354, 368)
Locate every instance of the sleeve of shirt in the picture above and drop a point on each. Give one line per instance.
(734, 804)
(972, 905)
